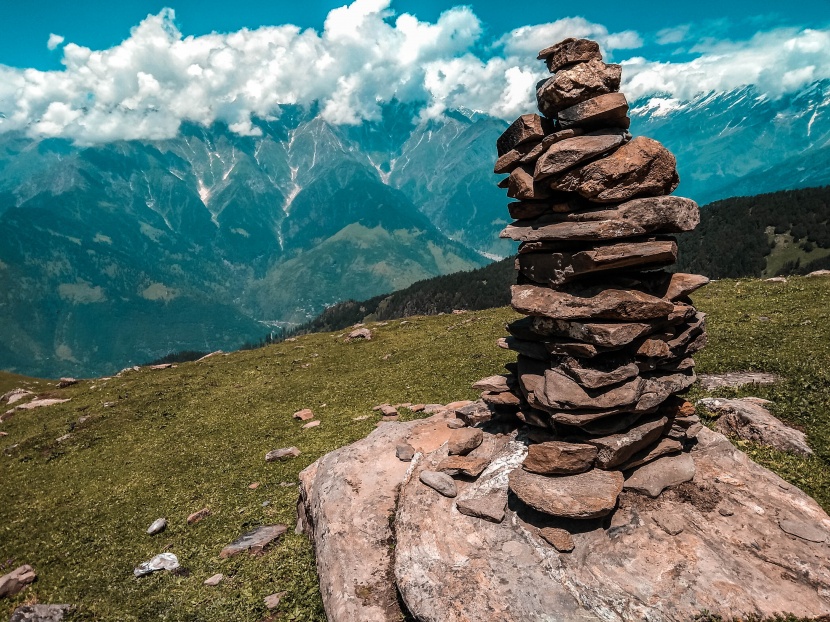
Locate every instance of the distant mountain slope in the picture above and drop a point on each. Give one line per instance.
(784, 232)
(208, 239)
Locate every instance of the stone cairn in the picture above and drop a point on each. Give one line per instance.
(607, 343)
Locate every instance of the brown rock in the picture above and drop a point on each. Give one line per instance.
(633, 218)
(304, 415)
(490, 508)
(66, 382)
(599, 377)
(555, 268)
(577, 84)
(615, 449)
(608, 110)
(610, 304)
(254, 541)
(605, 335)
(547, 141)
(521, 184)
(513, 158)
(455, 424)
(197, 516)
(559, 539)
(496, 384)
(310, 424)
(464, 440)
(657, 388)
(528, 127)
(282, 454)
(472, 466)
(14, 582)
(556, 457)
(642, 167)
(737, 379)
(387, 410)
(653, 478)
(585, 495)
(474, 413)
(665, 447)
(504, 399)
(569, 52)
(564, 393)
(566, 154)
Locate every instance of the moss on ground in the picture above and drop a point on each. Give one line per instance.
(169, 442)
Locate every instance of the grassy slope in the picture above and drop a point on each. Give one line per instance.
(180, 439)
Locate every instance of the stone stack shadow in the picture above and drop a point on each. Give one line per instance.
(606, 345)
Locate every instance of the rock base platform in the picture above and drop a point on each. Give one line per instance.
(736, 540)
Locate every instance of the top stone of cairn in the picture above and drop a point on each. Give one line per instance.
(568, 52)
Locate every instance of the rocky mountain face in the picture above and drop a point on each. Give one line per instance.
(116, 254)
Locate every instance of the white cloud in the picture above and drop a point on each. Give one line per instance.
(365, 55)
(675, 34)
(776, 62)
(54, 41)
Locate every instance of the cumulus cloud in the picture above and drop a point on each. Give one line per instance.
(776, 62)
(54, 41)
(365, 55)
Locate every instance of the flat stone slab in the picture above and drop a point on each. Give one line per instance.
(747, 418)
(254, 541)
(735, 379)
(585, 495)
(653, 478)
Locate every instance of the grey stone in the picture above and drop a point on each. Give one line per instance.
(488, 508)
(440, 482)
(14, 582)
(214, 580)
(749, 420)
(40, 613)
(405, 452)
(282, 454)
(159, 525)
(254, 541)
(654, 477)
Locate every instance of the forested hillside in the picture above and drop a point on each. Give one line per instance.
(769, 234)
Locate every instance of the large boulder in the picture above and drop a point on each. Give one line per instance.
(346, 499)
(735, 541)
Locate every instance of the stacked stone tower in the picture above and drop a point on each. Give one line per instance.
(606, 345)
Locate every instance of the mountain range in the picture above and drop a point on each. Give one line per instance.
(116, 254)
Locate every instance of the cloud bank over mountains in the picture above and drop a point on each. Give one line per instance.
(365, 55)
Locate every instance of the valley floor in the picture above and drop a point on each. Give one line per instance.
(155, 443)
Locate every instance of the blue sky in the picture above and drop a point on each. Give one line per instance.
(26, 26)
(138, 69)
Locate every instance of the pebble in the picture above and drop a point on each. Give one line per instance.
(559, 539)
(405, 452)
(215, 579)
(311, 424)
(273, 600)
(159, 525)
(197, 516)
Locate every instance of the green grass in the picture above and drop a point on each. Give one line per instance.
(174, 441)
